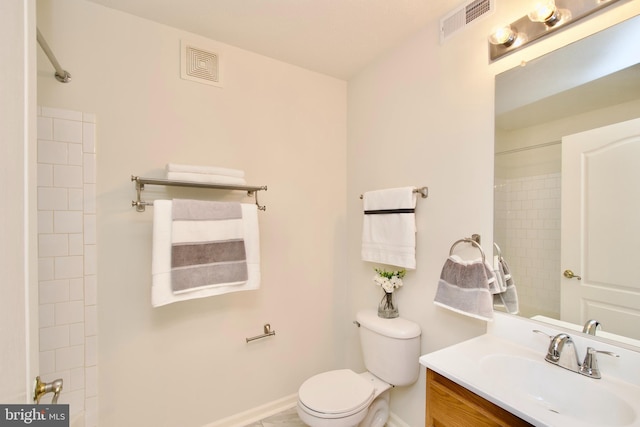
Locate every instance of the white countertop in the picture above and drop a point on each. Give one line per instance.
(511, 339)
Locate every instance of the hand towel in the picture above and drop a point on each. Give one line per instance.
(205, 170)
(464, 288)
(205, 178)
(508, 297)
(389, 227)
(161, 290)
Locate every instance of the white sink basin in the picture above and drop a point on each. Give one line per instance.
(558, 390)
(518, 379)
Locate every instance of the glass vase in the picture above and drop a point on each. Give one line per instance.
(387, 309)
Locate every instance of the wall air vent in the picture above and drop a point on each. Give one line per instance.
(459, 18)
(200, 65)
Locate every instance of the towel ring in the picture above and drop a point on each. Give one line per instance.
(468, 240)
(495, 245)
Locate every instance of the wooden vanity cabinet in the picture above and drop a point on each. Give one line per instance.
(451, 405)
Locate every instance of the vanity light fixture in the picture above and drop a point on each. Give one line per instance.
(544, 18)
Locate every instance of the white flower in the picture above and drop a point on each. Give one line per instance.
(388, 280)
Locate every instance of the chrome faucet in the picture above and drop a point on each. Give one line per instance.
(590, 327)
(562, 352)
(41, 388)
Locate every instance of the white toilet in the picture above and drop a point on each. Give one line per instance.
(343, 398)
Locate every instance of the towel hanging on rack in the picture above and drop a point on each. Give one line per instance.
(507, 298)
(466, 287)
(389, 227)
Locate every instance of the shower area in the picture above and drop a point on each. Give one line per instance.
(67, 252)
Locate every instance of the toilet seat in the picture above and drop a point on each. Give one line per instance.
(336, 394)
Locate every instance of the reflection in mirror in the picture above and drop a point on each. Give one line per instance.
(592, 83)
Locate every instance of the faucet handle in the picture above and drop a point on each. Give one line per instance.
(590, 365)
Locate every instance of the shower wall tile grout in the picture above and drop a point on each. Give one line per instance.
(67, 257)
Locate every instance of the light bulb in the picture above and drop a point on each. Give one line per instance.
(546, 12)
(503, 36)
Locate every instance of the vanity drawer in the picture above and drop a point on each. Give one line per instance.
(451, 405)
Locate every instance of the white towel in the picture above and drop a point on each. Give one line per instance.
(389, 237)
(205, 178)
(206, 170)
(161, 290)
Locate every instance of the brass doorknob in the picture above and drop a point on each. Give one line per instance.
(570, 275)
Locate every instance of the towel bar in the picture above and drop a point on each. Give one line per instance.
(140, 204)
(267, 333)
(423, 191)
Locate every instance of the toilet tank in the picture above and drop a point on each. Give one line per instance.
(391, 347)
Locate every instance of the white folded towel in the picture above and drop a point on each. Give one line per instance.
(161, 289)
(205, 178)
(389, 227)
(207, 170)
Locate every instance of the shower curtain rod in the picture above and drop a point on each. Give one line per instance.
(61, 75)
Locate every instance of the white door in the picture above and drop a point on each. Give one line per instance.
(601, 227)
(18, 256)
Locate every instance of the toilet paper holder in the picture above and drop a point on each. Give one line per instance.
(267, 333)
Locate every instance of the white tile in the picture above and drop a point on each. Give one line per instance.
(45, 175)
(67, 131)
(91, 351)
(68, 222)
(54, 337)
(90, 320)
(76, 289)
(75, 154)
(89, 137)
(53, 291)
(50, 199)
(91, 384)
(47, 362)
(59, 113)
(68, 267)
(76, 379)
(47, 316)
(69, 312)
(90, 198)
(73, 398)
(91, 412)
(52, 152)
(69, 357)
(76, 246)
(89, 168)
(45, 128)
(90, 290)
(76, 199)
(50, 245)
(45, 221)
(45, 269)
(90, 259)
(67, 176)
(90, 229)
(76, 334)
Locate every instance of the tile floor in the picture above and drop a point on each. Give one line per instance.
(288, 418)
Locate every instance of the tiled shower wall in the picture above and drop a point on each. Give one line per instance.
(527, 229)
(67, 258)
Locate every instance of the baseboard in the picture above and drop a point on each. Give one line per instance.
(256, 414)
(395, 421)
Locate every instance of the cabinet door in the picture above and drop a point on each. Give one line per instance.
(451, 405)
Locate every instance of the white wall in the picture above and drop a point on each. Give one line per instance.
(187, 363)
(423, 115)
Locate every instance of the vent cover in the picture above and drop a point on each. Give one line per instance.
(200, 65)
(459, 18)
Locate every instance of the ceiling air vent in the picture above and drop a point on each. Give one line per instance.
(200, 65)
(459, 18)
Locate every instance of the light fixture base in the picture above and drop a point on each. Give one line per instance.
(528, 31)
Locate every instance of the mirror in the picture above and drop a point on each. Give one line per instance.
(589, 84)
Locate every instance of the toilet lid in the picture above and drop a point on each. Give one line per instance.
(336, 392)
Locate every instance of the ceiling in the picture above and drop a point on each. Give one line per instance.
(333, 37)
